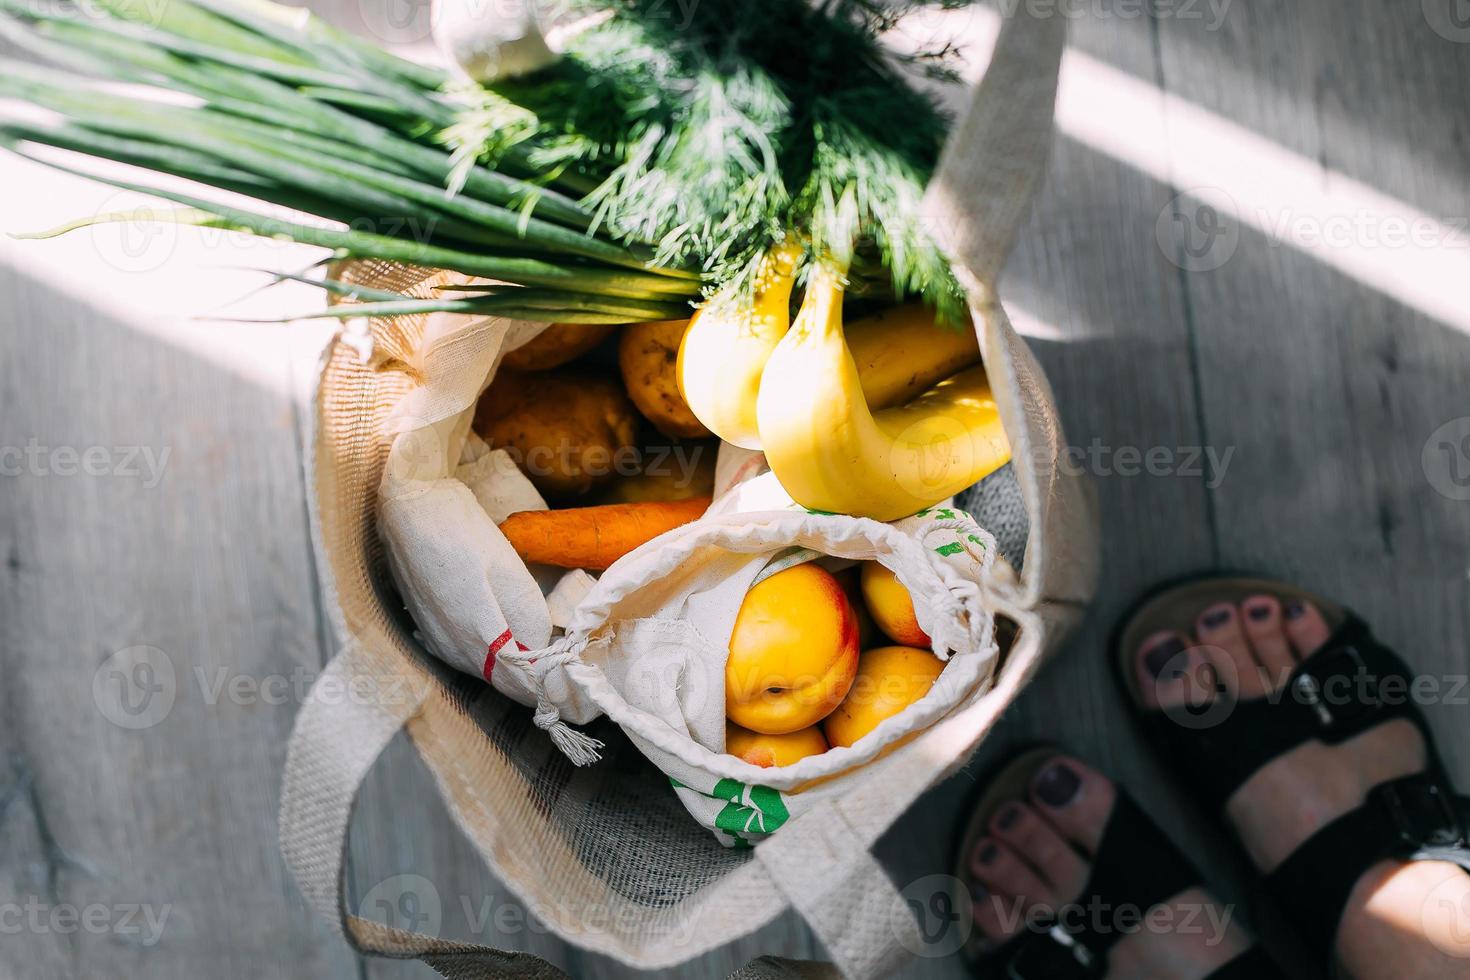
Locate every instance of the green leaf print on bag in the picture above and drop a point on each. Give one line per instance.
(749, 809)
(752, 810)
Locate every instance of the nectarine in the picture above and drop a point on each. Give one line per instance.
(793, 652)
(773, 750)
(892, 606)
(888, 680)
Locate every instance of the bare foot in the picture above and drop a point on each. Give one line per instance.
(1248, 652)
(1035, 862)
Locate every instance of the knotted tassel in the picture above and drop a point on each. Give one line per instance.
(580, 748)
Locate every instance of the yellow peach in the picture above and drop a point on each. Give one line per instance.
(892, 606)
(793, 652)
(888, 680)
(851, 580)
(773, 750)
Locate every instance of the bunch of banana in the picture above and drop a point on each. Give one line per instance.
(881, 420)
(832, 452)
(726, 347)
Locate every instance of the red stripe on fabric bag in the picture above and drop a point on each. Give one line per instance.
(500, 641)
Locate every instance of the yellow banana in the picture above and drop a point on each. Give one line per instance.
(832, 453)
(726, 347)
(902, 352)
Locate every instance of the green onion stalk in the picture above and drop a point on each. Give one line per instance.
(643, 169)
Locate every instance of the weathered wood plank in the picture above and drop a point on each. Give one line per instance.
(152, 503)
(1326, 389)
(1328, 357)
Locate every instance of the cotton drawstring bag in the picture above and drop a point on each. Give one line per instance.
(608, 857)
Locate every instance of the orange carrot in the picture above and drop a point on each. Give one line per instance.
(594, 537)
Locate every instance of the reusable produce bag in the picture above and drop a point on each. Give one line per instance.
(607, 856)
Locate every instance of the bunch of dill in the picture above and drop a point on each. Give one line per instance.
(715, 129)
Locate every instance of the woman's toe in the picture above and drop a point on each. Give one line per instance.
(993, 914)
(1305, 627)
(1042, 847)
(1074, 799)
(1220, 627)
(1008, 877)
(1267, 633)
(1174, 671)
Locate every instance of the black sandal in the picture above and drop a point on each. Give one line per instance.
(1135, 867)
(1336, 693)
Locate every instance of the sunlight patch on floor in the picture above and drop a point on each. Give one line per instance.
(1372, 237)
(160, 280)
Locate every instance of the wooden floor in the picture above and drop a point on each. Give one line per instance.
(1310, 332)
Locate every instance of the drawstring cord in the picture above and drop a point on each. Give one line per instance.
(955, 603)
(580, 748)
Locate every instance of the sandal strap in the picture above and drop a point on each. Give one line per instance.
(1136, 867)
(1352, 683)
(1253, 964)
(1414, 818)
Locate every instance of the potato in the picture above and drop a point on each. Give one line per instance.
(670, 473)
(648, 354)
(568, 430)
(558, 344)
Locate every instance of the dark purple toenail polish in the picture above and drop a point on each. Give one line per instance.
(1216, 619)
(1259, 613)
(1008, 817)
(1057, 785)
(1160, 656)
(1295, 609)
(989, 853)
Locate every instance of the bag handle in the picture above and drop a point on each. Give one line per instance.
(989, 172)
(351, 713)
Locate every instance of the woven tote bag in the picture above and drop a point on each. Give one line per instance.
(606, 856)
